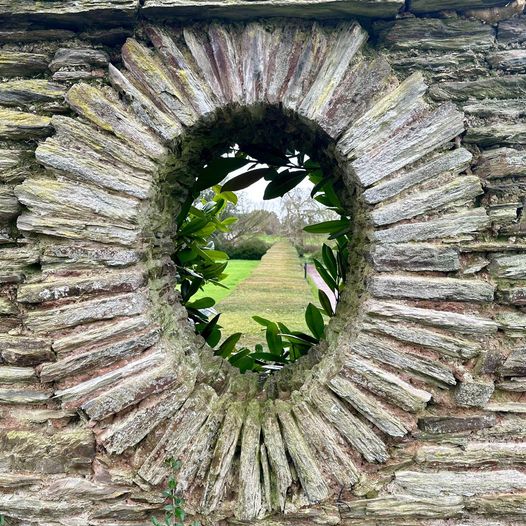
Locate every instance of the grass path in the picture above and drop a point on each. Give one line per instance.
(275, 289)
(238, 270)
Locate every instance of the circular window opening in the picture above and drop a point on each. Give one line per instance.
(218, 167)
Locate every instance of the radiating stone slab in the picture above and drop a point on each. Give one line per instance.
(450, 289)
(455, 347)
(369, 407)
(394, 354)
(453, 161)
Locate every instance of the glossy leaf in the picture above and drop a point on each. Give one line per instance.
(328, 227)
(285, 182)
(240, 182)
(325, 302)
(314, 320)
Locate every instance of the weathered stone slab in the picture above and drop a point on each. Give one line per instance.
(369, 407)
(503, 504)
(109, 114)
(130, 391)
(460, 190)
(448, 34)
(415, 257)
(432, 130)
(249, 500)
(510, 109)
(99, 356)
(26, 92)
(473, 392)
(453, 161)
(155, 79)
(68, 198)
(78, 57)
(19, 125)
(13, 375)
(51, 290)
(427, 6)
(497, 134)
(398, 506)
(394, 354)
(87, 255)
(385, 384)
(277, 457)
(449, 289)
(86, 311)
(19, 34)
(25, 350)
(147, 112)
(473, 454)
(112, 330)
(513, 385)
(515, 364)
(453, 424)
(223, 457)
(27, 507)
(446, 226)
(501, 87)
(336, 463)
(501, 162)
(304, 461)
(19, 64)
(9, 206)
(80, 13)
(88, 228)
(130, 429)
(71, 395)
(65, 451)
(392, 112)
(24, 397)
(455, 347)
(512, 295)
(465, 483)
(512, 31)
(509, 267)
(156, 9)
(506, 407)
(436, 318)
(511, 60)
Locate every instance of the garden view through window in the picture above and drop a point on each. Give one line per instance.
(262, 254)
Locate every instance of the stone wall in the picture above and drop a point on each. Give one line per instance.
(412, 414)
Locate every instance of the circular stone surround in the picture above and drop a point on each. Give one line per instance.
(147, 386)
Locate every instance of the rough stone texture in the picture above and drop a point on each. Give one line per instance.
(412, 415)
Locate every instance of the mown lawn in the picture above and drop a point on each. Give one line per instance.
(237, 270)
(275, 290)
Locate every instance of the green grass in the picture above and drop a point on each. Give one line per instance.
(275, 290)
(237, 270)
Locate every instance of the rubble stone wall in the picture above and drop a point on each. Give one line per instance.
(412, 413)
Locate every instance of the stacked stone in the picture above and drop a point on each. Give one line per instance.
(99, 384)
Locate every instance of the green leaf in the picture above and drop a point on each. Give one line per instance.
(268, 357)
(237, 356)
(314, 320)
(180, 514)
(226, 348)
(193, 225)
(217, 170)
(215, 255)
(214, 338)
(243, 181)
(246, 364)
(329, 261)
(322, 271)
(325, 302)
(202, 303)
(209, 327)
(274, 341)
(262, 321)
(328, 227)
(296, 339)
(286, 181)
